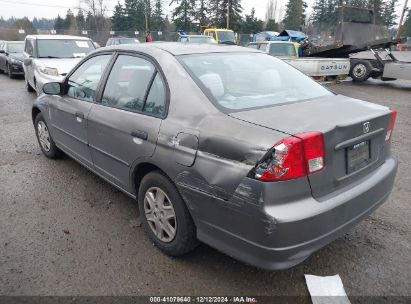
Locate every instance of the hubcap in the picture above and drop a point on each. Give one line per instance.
(160, 214)
(360, 70)
(44, 136)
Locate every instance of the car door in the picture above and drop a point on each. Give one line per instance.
(123, 126)
(69, 112)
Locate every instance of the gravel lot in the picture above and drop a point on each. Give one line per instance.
(64, 231)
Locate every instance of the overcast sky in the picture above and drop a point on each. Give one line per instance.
(50, 8)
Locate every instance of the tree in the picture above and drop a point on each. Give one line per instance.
(134, 14)
(59, 24)
(26, 25)
(118, 20)
(70, 21)
(295, 15)
(157, 16)
(272, 25)
(406, 28)
(184, 14)
(202, 12)
(388, 14)
(320, 17)
(271, 13)
(252, 24)
(80, 20)
(325, 13)
(235, 10)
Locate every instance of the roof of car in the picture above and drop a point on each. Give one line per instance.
(57, 37)
(176, 48)
(5, 41)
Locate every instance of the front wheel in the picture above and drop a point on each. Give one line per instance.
(29, 88)
(46, 142)
(166, 218)
(360, 70)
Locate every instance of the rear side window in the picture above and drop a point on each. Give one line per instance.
(83, 83)
(128, 83)
(135, 85)
(155, 103)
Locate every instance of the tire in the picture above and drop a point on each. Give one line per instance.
(29, 88)
(11, 76)
(360, 70)
(184, 239)
(50, 150)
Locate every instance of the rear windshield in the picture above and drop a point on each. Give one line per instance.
(201, 40)
(128, 41)
(64, 48)
(240, 81)
(226, 37)
(282, 49)
(17, 47)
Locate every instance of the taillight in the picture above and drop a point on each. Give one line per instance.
(391, 124)
(293, 157)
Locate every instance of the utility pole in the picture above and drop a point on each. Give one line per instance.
(146, 18)
(228, 14)
(402, 17)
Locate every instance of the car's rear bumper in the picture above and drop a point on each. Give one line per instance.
(284, 234)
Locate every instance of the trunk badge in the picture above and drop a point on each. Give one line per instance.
(366, 127)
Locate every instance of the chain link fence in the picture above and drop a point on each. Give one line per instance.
(101, 37)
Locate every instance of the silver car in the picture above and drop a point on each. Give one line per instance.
(48, 58)
(224, 145)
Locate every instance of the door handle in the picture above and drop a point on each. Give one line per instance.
(80, 114)
(140, 134)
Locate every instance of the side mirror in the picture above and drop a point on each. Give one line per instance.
(53, 88)
(27, 61)
(2, 52)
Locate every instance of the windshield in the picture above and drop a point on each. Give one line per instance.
(282, 49)
(128, 41)
(59, 48)
(202, 40)
(15, 47)
(226, 37)
(243, 81)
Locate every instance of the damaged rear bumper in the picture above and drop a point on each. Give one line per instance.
(270, 226)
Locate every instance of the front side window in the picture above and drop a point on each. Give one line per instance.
(128, 83)
(64, 48)
(83, 83)
(241, 81)
(29, 47)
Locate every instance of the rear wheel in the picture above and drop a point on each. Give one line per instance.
(360, 70)
(166, 218)
(46, 142)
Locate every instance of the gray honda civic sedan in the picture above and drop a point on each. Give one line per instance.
(223, 145)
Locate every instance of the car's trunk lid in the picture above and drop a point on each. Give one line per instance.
(345, 123)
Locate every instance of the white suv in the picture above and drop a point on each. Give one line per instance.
(48, 58)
